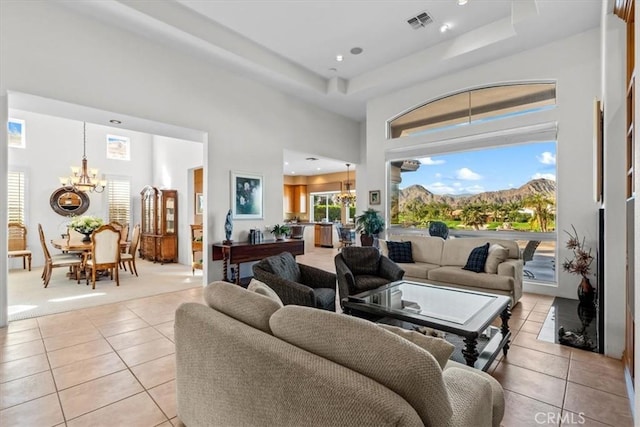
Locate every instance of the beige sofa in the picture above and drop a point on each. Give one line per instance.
(243, 359)
(440, 262)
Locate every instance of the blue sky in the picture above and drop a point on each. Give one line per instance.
(473, 172)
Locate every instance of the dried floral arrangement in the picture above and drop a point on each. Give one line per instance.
(582, 259)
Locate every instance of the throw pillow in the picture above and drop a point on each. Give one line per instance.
(399, 251)
(477, 259)
(438, 347)
(262, 289)
(285, 266)
(497, 254)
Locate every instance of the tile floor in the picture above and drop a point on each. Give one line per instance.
(113, 365)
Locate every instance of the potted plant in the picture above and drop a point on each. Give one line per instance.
(580, 265)
(279, 231)
(369, 224)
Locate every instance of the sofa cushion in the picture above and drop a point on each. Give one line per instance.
(458, 276)
(285, 266)
(261, 288)
(237, 302)
(438, 347)
(325, 298)
(477, 259)
(361, 260)
(369, 350)
(425, 248)
(417, 269)
(399, 251)
(497, 254)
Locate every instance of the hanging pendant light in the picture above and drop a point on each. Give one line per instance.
(82, 178)
(346, 198)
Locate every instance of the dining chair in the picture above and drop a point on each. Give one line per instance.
(130, 256)
(105, 253)
(60, 260)
(17, 236)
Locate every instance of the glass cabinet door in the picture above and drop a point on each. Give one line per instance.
(170, 216)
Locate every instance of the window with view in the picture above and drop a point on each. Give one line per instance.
(510, 190)
(325, 208)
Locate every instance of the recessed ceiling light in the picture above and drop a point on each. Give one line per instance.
(286, 163)
(339, 58)
(313, 159)
(318, 169)
(115, 122)
(444, 28)
(462, 2)
(293, 173)
(333, 69)
(356, 50)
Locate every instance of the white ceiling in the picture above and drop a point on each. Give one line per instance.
(292, 44)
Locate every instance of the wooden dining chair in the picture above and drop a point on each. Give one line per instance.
(60, 260)
(130, 256)
(17, 236)
(105, 253)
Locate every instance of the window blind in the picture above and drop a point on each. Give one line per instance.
(119, 200)
(15, 202)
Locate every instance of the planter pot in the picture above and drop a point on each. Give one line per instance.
(366, 240)
(279, 236)
(87, 237)
(586, 293)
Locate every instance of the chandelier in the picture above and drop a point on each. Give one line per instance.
(346, 197)
(82, 178)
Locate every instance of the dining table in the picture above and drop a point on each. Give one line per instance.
(66, 245)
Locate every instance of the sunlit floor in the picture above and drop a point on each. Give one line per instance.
(114, 365)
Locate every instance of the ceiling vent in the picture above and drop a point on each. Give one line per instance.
(420, 21)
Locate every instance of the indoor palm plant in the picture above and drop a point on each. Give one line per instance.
(580, 264)
(279, 231)
(369, 224)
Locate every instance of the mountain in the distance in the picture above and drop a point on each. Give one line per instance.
(536, 186)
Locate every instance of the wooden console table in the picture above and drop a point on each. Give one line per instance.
(237, 253)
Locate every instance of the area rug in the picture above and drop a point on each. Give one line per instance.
(28, 297)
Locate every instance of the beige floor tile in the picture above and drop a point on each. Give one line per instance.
(92, 395)
(598, 405)
(25, 389)
(19, 325)
(538, 361)
(529, 340)
(87, 370)
(531, 327)
(129, 339)
(20, 337)
(157, 371)
(19, 351)
(63, 324)
(137, 410)
(23, 367)
(110, 329)
(572, 419)
(610, 380)
(165, 397)
(42, 412)
(79, 352)
(544, 388)
(176, 422)
(166, 329)
(88, 333)
(116, 315)
(538, 316)
(523, 411)
(165, 424)
(598, 360)
(148, 351)
(156, 317)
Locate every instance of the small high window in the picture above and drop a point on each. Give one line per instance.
(475, 106)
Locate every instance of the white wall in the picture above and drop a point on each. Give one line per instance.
(50, 51)
(574, 63)
(53, 145)
(173, 161)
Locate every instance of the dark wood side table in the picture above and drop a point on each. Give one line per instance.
(237, 253)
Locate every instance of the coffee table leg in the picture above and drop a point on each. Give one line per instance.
(505, 316)
(470, 351)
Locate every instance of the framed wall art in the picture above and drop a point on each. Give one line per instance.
(199, 204)
(16, 133)
(246, 195)
(118, 147)
(374, 197)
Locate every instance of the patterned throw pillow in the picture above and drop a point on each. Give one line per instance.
(477, 258)
(399, 251)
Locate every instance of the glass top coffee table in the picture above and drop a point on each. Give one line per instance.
(468, 314)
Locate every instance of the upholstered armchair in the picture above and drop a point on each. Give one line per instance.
(362, 268)
(297, 284)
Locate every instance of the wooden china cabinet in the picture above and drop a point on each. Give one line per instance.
(159, 233)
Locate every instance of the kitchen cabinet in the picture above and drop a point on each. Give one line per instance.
(324, 235)
(295, 198)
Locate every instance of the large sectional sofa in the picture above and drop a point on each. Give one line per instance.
(244, 359)
(438, 261)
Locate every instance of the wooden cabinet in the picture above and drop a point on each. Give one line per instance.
(159, 233)
(295, 198)
(196, 247)
(324, 235)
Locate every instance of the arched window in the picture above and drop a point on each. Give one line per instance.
(474, 106)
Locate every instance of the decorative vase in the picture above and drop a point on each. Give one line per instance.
(586, 293)
(366, 240)
(87, 237)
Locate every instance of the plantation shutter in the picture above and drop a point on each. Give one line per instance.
(119, 200)
(15, 194)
